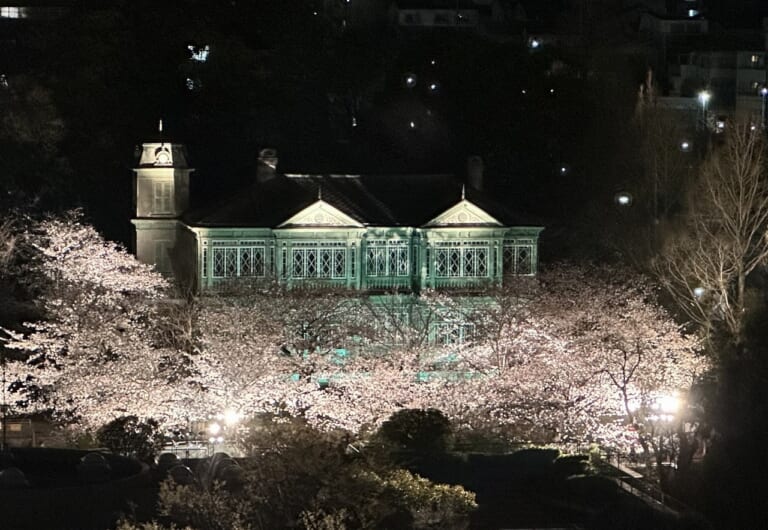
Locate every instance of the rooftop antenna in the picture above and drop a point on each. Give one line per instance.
(463, 192)
(160, 126)
(319, 192)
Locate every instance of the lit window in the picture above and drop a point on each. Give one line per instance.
(162, 197)
(192, 84)
(199, 54)
(387, 258)
(693, 13)
(457, 260)
(12, 12)
(518, 257)
(754, 59)
(232, 260)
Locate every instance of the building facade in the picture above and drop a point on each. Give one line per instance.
(361, 232)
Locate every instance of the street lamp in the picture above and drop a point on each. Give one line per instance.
(704, 97)
(623, 198)
(231, 417)
(763, 94)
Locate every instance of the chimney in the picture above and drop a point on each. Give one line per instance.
(475, 172)
(267, 165)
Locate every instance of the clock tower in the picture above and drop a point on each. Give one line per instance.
(161, 189)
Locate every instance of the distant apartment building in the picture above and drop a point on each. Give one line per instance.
(490, 17)
(690, 55)
(736, 80)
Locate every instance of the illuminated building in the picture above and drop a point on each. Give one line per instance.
(363, 232)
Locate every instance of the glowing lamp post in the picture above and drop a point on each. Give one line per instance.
(623, 198)
(231, 417)
(704, 97)
(215, 431)
(666, 408)
(763, 95)
(223, 424)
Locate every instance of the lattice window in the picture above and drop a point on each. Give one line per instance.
(388, 258)
(251, 261)
(338, 263)
(218, 263)
(327, 260)
(441, 262)
(230, 262)
(232, 259)
(326, 263)
(518, 257)
(467, 259)
(454, 262)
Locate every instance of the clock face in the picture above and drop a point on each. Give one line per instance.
(163, 157)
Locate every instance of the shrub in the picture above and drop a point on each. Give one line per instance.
(130, 436)
(418, 430)
(306, 479)
(568, 465)
(432, 505)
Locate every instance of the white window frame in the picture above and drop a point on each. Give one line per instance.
(388, 258)
(511, 257)
(325, 260)
(236, 259)
(462, 259)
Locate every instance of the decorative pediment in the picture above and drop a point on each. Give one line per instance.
(464, 213)
(320, 213)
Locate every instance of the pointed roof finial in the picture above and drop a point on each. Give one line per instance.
(463, 192)
(319, 192)
(160, 126)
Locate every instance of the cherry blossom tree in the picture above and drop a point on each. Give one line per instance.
(572, 356)
(568, 358)
(96, 337)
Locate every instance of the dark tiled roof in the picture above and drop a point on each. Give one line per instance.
(376, 200)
